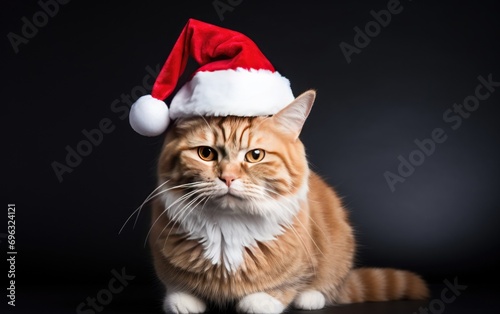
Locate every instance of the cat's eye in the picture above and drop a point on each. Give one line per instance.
(255, 155)
(207, 153)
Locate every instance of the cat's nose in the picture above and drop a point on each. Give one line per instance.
(227, 178)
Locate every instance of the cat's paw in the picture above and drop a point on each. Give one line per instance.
(309, 300)
(260, 302)
(183, 303)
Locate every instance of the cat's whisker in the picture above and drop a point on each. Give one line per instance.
(209, 126)
(293, 186)
(319, 227)
(171, 221)
(150, 197)
(308, 253)
(271, 191)
(188, 208)
(181, 198)
(206, 201)
(291, 227)
(184, 209)
(139, 208)
(184, 198)
(262, 121)
(305, 229)
(311, 237)
(255, 194)
(188, 205)
(291, 211)
(258, 190)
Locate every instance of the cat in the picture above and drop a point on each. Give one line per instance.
(242, 220)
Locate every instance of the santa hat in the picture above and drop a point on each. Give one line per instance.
(234, 79)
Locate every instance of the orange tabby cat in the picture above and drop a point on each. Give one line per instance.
(243, 220)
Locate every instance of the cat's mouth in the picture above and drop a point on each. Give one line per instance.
(230, 198)
(235, 191)
(235, 196)
(231, 195)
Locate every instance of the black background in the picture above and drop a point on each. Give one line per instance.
(441, 222)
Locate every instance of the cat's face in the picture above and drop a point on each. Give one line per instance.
(237, 163)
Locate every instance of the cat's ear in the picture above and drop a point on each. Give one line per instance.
(291, 119)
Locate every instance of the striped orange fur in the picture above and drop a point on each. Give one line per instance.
(261, 235)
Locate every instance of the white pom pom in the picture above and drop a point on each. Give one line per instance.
(149, 116)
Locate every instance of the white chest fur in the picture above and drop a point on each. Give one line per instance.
(224, 235)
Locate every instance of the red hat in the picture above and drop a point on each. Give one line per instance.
(234, 78)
